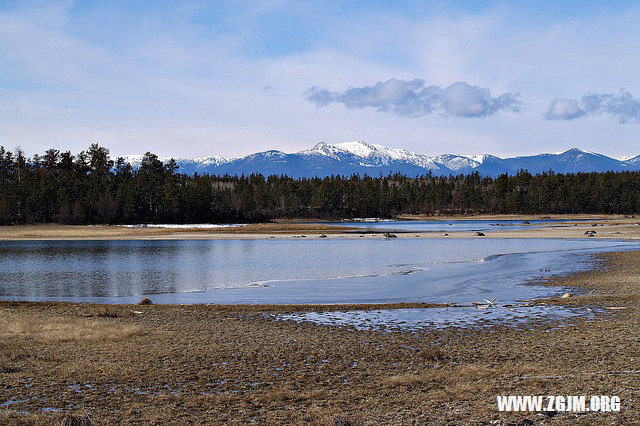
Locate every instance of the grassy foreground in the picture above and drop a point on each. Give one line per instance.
(207, 364)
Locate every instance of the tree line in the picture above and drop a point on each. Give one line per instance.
(92, 188)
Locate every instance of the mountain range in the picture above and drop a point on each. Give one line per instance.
(361, 158)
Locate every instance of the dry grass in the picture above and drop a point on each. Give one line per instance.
(76, 420)
(6, 369)
(464, 375)
(433, 354)
(204, 365)
(55, 419)
(15, 326)
(105, 312)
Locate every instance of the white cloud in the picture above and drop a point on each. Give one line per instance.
(624, 107)
(414, 98)
(564, 109)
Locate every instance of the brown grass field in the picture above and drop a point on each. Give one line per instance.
(174, 364)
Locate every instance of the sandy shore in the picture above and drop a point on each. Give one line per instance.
(114, 232)
(615, 227)
(234, 364)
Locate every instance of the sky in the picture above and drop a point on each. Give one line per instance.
(199, 78)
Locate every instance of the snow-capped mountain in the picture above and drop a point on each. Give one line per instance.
(340, 159)
(361, 158)
(633, 161)
(186, 165)
(368, 155)
(459, 163)
(571, 161)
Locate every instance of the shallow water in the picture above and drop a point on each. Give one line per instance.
(375, 225)
(290, 271)
(412, 319)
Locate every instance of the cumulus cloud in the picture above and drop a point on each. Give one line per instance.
(414, 98)
(564, 109)
(624, 107)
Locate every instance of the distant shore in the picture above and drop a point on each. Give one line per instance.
(522, 217)
(235, 364)
(612, 227)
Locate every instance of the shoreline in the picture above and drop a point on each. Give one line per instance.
(610, 227)
(199, 363)
(523, 217)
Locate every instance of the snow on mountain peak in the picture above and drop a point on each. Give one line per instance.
(213, 160)
(633, 160)
(479, 158)
(359, 148)
(136, 159)
(459, 162)
(578, 151)
(383, 155)
(322, 148)
(353, 157)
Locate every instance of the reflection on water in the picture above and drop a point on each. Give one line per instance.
(287, 271)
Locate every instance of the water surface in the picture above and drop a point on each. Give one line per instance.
(376, 225)
(290, 271)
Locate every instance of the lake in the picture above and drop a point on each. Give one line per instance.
(290, 271)
(376, 225)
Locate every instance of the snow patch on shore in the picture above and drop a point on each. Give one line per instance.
(186, 225)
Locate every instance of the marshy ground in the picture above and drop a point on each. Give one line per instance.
(234, 364)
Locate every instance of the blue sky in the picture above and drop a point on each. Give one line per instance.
(190, 78)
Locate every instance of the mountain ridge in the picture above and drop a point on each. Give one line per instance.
(359, 157)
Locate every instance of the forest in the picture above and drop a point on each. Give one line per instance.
(92, 188)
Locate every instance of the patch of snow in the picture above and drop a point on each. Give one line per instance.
(367, 219)
(186, 226)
